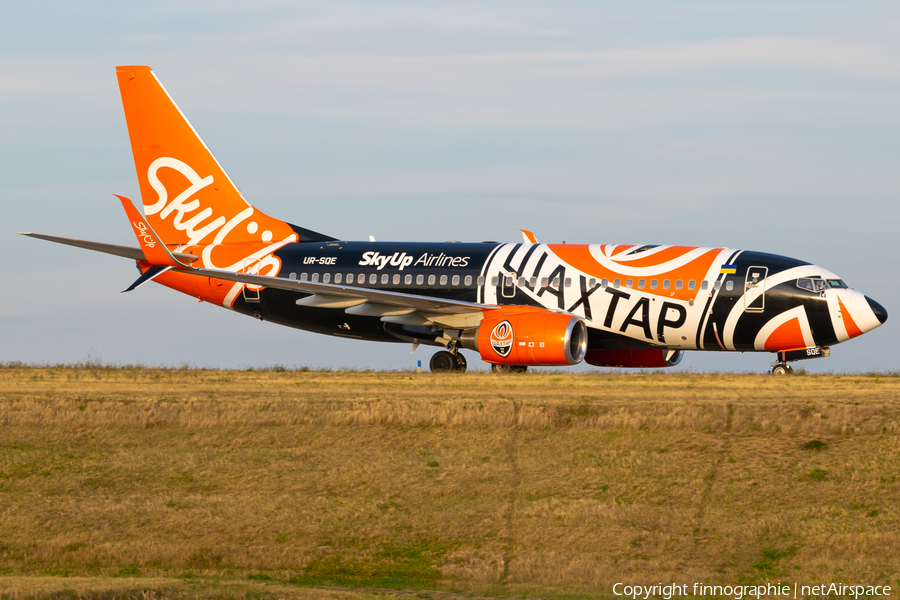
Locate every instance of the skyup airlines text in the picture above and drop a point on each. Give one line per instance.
(401, 260)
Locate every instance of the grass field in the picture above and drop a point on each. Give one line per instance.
(156, 483)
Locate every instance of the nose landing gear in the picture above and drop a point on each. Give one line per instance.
(781, 366)
(782, 369)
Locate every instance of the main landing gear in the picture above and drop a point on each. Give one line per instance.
(444, 361)
(508, 368)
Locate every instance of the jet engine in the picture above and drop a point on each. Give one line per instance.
(634, 359)
(532, 337)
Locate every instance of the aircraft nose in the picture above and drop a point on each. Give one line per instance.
(878, 309)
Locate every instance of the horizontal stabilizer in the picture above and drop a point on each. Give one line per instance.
(148, 275)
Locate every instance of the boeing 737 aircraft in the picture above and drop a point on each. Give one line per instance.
(516, 304)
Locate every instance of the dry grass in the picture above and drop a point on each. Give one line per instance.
(161, 588)
(544, 484)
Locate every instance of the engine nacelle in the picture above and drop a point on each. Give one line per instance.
(533, 337)
(634, 359)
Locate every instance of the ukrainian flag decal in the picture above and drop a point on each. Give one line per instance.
(728, 269)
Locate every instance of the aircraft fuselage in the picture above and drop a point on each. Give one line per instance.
(687, 298)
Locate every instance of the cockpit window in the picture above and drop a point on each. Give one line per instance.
(812, 284)
(837, 283)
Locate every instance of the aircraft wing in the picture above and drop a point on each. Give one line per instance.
(390, 306)
(114, 249)
(324, 295)
(346, 296)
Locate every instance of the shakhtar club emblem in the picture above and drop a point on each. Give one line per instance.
(502, 338)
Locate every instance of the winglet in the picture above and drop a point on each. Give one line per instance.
(154, 250)
(528, 236)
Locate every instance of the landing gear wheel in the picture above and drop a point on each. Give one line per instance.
(782, 369)
(460, 362)
(509, 368)
(442, 361)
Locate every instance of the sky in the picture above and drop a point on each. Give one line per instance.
(763, 126)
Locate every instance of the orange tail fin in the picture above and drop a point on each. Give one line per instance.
(188, 198)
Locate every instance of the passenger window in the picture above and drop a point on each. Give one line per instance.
(338, 277)
(718, 285)
(568, 282)
(292, 276)
(522, 282)
(443, 280)
(616, 283)
(704, 285)
(349, 277)
(468, 281)
(545, 281)
(303, 276)
(396, 279)
(420, 279)
(629, 283)
(556, 283)
(373, 279)
(604, 283)
(692, 284)
(640, 284)
(315, 277)
(665, 284)
(326, 278)
(508, 281)
(495, 281)
(407, 280)
(729, 285)
(534, 282)
(384, 279)
(678, 284)
(652, 284)
(480, 280)
(592, 282)
(455, 280)
(431, 279)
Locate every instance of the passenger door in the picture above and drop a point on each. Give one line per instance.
(755, 287)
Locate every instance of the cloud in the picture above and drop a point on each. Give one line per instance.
(489, 72)
(493, 71)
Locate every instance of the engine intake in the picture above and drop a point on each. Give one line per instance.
(535, 338)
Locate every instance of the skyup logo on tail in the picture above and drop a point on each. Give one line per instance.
(502, 338)
(186, 217)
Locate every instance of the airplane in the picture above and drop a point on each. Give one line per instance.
(515, 304)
